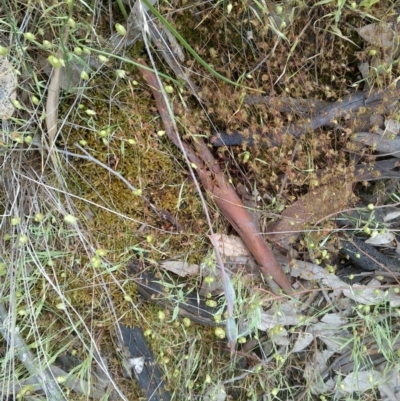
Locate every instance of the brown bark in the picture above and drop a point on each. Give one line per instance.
(221, 191)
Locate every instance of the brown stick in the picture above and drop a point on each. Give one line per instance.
(221, 191)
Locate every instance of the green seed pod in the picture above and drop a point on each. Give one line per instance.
(84, 76)
(55, 62)
(211, 303)
(17, 104)
(103, 59)
(29, 36)
(101, 252)
(71, 23)
(96, 262)
(38, 217)
(367, 230)
(120, 29)
(69, 219)
(28, 140)
(15, 221)
(61, 306)
(220, 332)
(23, 239)
(120, 73)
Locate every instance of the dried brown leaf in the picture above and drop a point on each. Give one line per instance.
(378, 35)
(231, 246)
(182, 269)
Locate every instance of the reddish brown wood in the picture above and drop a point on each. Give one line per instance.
(221, 191)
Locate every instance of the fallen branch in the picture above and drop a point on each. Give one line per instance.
(221, 191)
(345, 107)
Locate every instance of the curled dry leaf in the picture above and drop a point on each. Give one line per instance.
(364, 69)
(392, 127)
(280, 338)
(360, 381)
(391, 216)
(217, 186)
(310, 271)
(389, 389)
(372, 295)
(8, 84)
(366, 295)
(337, 339)
(182, 269)
(381, 239)
(286, 315)
(379, 143)
(231, 246)
(334, 319)
(381, 35)
(303, 340)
